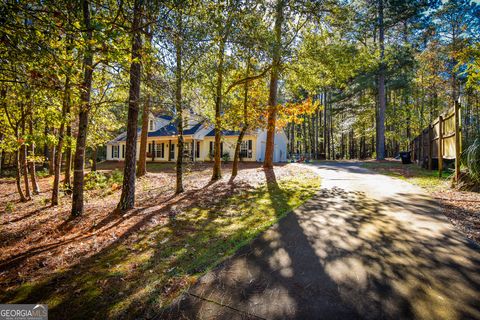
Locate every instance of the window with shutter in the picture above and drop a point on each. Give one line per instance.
(172, 151)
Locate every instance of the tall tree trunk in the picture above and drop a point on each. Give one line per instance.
(94, 158)
(217, 171)
(142, 158)
(273, 89)
(236, 156)
(325, 128)
(178, 103)
(381, 86)
(86, 88)
(332, 143)
(127, 199)
(304, 134)
(51, 157)
(33, 176)
(18, 176)
(68, 156)
(46, 151)
(58, 157)
(23, 150)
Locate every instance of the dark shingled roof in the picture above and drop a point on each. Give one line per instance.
(164, 117)
(192, 130)
(123, 136)
(168, 130)
(224, 133)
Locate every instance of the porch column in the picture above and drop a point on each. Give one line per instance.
(153, 151)
(169, 147)
(193, 150)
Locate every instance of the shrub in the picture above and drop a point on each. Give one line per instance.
(43, 173)
(98, 180)
(472, 160)
(95, 180)
(226, 157)
(9, 207)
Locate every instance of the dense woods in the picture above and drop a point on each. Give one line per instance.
(344, 79)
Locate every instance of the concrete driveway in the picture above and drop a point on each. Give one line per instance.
(367, 246)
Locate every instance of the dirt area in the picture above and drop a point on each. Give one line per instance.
(37, 239)
(463, 209)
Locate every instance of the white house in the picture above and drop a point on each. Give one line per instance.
(199, 138)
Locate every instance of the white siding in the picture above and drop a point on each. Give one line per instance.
(280, 149)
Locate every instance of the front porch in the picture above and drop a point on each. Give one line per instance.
(167, 150)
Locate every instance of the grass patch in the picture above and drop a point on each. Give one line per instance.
(412, 173)
(137, 277)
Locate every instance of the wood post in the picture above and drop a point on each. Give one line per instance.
(430, 146)
(457, 140)
(440, 145)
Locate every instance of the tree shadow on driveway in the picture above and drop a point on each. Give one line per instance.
(343, 255)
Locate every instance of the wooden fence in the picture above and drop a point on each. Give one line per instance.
(437, 142)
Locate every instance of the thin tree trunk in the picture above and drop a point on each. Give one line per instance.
(33, 176)
(18, 176)
(51, 159)
(332, 144)
(94, 158)
(58, 157)
(23, 150)
(272, 98)
(236, 156)
(127, 199)
(79, 159)
(305, 137)
(381, 86)
(217, 171)
(46, 152)
(142, 158)
(326, 143)
(68, 157)
(178, 104)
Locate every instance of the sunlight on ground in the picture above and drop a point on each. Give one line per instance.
(412, 173)
(134, 277)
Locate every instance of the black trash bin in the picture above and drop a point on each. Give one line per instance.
(406, 157)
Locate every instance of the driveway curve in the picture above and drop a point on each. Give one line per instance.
(367, 246)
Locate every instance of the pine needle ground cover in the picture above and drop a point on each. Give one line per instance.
(125, 266)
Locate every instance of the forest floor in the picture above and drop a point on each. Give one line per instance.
(109, 265)
(461, 207)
